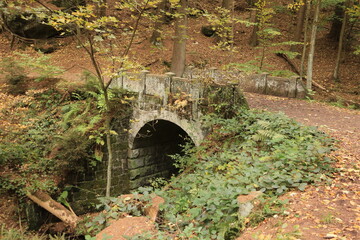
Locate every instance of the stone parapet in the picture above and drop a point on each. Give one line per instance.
(263, 83)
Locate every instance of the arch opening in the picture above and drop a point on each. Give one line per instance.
(149, 156)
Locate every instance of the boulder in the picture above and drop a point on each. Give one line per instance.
(129, 226)
(247, 203)
(152, 210)
(27, 25)
(208, 31)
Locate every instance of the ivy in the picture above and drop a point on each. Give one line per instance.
(253, 151)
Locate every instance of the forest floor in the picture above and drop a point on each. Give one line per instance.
(329, 211)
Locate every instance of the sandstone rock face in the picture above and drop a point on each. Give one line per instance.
(153, 210)
(129, 226)
(247, 203)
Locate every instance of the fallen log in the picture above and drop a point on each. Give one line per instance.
(45, 201)
(287, 59)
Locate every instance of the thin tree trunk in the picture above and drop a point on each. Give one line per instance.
(312, 46)
(179, 50)
(155, 38)
(262, 58)
(299, 27)
(110, 156)
(254, 41)
(303, 56)
(228, 32)
(340, 46)
(102, 9)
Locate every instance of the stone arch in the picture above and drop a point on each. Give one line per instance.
(151, 142)
(141, 118)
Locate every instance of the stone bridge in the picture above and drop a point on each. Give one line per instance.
(165, 115)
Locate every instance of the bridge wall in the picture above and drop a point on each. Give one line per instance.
(91, 183)
(166, 107)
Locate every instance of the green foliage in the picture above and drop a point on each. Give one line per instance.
(15, 234)
(38, 65)
(25, 64)
(354, 13)
(223, 21)
(45, 131)
(252, 151)
(267, 34)
(113, 208)
(251, 67)
(11, 69)
(26, 144)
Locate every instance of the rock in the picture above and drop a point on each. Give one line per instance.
(330, 236)
(247, 203)
(31, 27)
(129, 226)
(68, 4)
(153, 207)
(208, 31)
(153, 210)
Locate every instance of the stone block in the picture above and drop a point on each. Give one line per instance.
(247, 202)
(153, 210)
(300, 90)
(133, 184)
(136, 163)
(152, 207)
(141, 172)
(277, 86)
(133, 153)
(292, 87)
(149, 160)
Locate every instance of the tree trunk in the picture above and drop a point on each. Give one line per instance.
(303, 55)
(109, 151)
(103, 7)
(155, 38)
(254, 41)
(312, 46)
(340, 46)
(336, 22)
(228, 4)
(179, 49)
(299, 27)
(55, 208)
(227, 37)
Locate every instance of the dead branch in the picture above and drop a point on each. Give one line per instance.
(288, 60)
(55, 208)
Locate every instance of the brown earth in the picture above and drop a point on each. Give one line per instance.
(200, 51)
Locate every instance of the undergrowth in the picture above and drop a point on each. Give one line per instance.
(16, 234)
(253, 151)
(47, 131)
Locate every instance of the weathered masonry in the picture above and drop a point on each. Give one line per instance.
(262, 83)
(166, 114)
